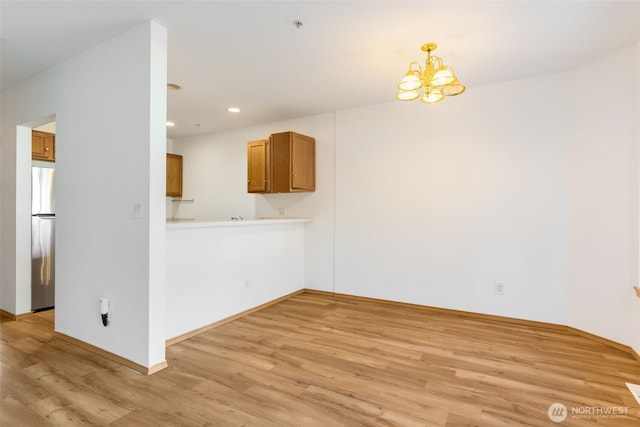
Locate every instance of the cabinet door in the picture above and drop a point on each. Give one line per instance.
(174, 175)
(43, 146)
(303, 163)
(259, 166)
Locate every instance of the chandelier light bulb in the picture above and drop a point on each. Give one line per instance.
(444, 76)
(407, 95)
(410, 81)
(432, 95)
(455, 88)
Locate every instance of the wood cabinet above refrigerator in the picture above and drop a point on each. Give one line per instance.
(43, 146)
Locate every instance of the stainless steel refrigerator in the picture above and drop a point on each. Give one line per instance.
(43, 220)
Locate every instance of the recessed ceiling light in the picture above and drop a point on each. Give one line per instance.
(173, 86)
(169, 124)
(233, 109)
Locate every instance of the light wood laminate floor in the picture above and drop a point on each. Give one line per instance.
(320, 360)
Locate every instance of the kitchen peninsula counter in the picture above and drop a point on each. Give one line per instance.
(183, 223)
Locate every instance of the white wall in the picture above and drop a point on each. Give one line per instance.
(217, 272)
(436, 203)
(212, 178)
(110, 108)
(603, 210)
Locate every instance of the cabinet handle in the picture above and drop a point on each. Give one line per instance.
(46, 149)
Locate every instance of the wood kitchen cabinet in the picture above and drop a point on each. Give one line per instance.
(284, 163)
(43, 146)
(174, 175)
(259, 166)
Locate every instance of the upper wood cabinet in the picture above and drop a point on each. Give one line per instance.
(174, 175)
(285, 163)
(259, 166)
(43, 146)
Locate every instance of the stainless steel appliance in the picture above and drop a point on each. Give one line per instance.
(42, 238)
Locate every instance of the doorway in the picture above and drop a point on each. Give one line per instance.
(43, 217)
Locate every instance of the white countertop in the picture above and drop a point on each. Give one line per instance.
(181, 223)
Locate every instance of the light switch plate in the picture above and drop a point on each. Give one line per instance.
(136, 211)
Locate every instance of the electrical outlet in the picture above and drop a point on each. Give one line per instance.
(498, 288)
(104, 311)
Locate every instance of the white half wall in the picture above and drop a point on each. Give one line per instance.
(110, 107)
(215, 272)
